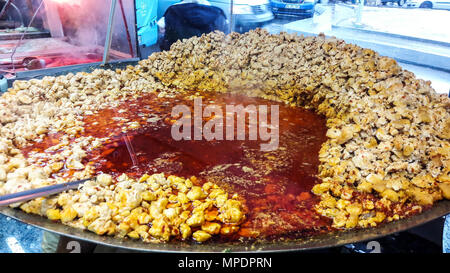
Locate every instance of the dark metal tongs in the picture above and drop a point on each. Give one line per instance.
(22, 196)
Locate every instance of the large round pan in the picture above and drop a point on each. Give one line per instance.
(314, 242)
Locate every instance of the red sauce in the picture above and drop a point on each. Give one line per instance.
(276, 185)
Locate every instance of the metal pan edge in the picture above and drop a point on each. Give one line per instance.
(333, 239)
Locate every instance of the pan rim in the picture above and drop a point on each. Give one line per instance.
(315, 242)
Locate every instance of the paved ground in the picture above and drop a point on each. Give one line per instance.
(446, 236)
(16, 237)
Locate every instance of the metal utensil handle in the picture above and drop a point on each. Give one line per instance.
(39, 192)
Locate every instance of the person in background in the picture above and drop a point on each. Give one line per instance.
(190, 18)
(161, 22)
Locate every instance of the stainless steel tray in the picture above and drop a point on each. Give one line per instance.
(314, 242)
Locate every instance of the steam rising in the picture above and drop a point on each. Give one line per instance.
(85, 22)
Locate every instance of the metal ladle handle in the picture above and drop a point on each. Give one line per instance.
(22, 196)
